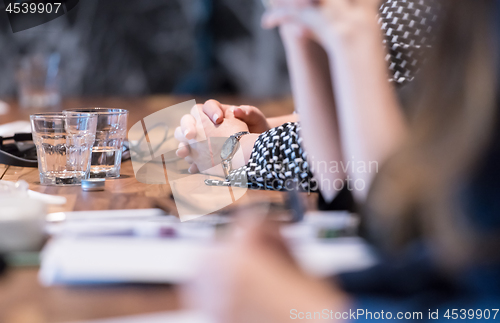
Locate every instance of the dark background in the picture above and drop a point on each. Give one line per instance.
(142, 47)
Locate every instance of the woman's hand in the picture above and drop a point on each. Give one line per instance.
(216, 111)
(200, 139)
(252, 116)
(253, 278)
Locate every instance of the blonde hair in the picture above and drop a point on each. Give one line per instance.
(451, 122)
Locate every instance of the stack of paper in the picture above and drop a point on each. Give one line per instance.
(119, 250)
(68, 260)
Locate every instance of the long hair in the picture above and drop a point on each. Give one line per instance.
(452, 117)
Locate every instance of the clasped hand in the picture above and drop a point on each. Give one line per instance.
(207, 122)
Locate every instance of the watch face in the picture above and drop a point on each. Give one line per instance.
(228, 148)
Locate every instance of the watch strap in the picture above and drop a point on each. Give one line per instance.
(240, 134)
(226, 163)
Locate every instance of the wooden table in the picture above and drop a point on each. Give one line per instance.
(23, 300)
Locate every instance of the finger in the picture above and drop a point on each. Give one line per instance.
(183, 150)
(230, 112)
(292, 3)
(200, 119)
(245, 114)
(179, 135)
(248, 114)
(242, 113)
(189, 160)
(193, 169)
(198, 115)
(188, 126)
(214, 110)
(277, 17)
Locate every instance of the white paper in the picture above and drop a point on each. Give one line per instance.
(91, 251)
(138, 223)
(104, 215)
(9, 129)
(69, 260)
(327, 258)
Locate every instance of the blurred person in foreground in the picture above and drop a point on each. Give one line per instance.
(433, 211)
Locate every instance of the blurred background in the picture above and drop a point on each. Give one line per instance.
(137, 48)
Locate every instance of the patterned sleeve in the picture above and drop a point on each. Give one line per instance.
(278, 161)
(408, 29)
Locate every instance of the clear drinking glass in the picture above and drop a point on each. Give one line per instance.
(38, 81)
(64, 146)
(110, 135)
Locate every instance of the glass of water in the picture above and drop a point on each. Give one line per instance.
(39, 81)
(110, 135)
(64, 146)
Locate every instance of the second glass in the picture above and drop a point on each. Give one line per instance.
(110, 135)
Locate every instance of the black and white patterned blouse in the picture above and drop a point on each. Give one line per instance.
(408, 29)
(278, 161)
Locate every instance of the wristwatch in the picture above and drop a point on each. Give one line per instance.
(229, 149)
